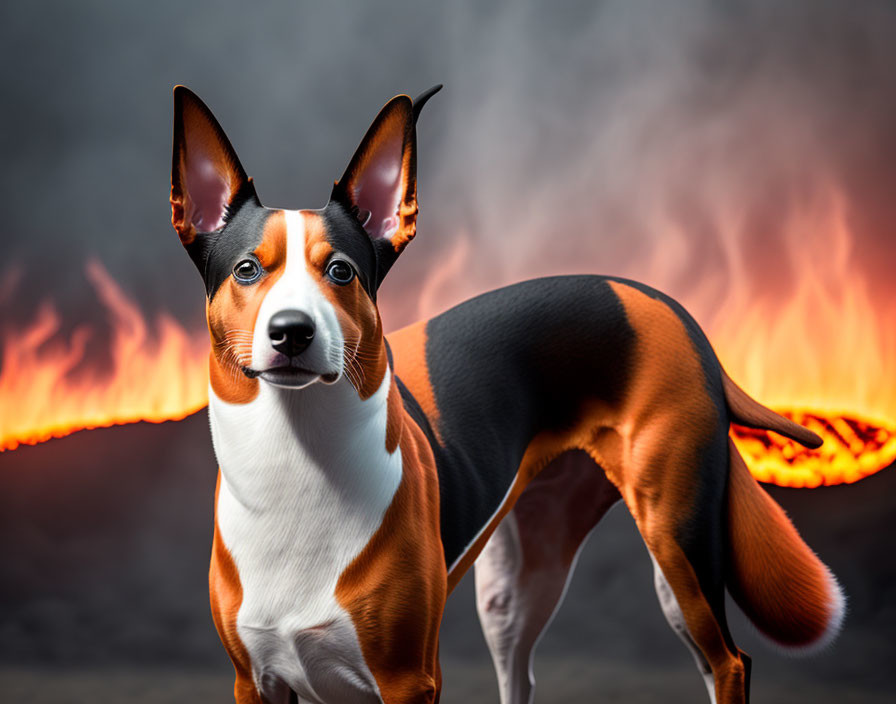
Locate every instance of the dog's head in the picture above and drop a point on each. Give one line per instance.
(291, 294)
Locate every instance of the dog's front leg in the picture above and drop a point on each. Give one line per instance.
(397, 622)
(395, 591)
(244, 689)
(225, 595)
(410, 687)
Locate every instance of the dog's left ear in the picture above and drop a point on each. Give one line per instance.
(379, 187)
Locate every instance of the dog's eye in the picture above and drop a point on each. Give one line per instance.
(340, 272)
(247, 271)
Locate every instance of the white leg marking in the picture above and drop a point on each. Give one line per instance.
(521, 576)
(675, 617)
(497, 575)
(516, 607)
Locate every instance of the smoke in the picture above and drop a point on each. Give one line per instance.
(657, 140)
(668, 142)
(611, 137)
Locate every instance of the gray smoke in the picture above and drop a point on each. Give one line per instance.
(614, 137)
(570, 137)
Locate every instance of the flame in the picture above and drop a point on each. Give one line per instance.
(824, 354)
(153, 376)
(853, 449)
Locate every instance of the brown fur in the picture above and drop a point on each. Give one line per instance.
(395, 418)
(752, 414)
(365, 351)
(232, 314)
(226, 595)
(409, 356)
(395, 589)
(779, 584)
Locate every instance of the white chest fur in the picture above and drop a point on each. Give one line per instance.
(305, 482)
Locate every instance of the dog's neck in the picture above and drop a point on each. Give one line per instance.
(306, 479)
(285, 438)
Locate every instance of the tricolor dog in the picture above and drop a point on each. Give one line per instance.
(362, 475)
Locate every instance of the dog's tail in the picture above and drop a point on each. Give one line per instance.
(775, 578)
(749, 412)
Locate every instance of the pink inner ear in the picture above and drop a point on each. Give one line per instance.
(378, 188)
(209, 192)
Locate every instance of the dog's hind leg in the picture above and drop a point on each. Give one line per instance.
(522, 573)
(668, 454)
(675, 617)
(676, 494)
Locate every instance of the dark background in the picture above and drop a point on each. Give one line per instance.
(567, 132)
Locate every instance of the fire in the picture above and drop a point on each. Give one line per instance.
(154, 375)
(824, 355)
(852, 449)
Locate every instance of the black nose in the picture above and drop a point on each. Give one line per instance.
(291, 331)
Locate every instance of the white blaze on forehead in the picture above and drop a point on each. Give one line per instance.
(295, 271)
(295, 279)
(297, 289)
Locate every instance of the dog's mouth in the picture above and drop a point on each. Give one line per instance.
(290, 377)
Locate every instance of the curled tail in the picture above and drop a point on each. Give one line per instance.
(749, 412)
(775, 578)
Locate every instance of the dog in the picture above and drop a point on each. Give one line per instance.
(361, 475)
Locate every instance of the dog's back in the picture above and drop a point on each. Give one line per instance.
(498, 369)
(590, 374)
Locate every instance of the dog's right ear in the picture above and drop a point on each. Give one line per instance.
(206, 175)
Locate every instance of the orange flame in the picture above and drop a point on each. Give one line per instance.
(825, 356)
(153, 377)
(852, 449)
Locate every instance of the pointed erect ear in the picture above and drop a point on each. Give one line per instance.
(380, 184)
(206, 175)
